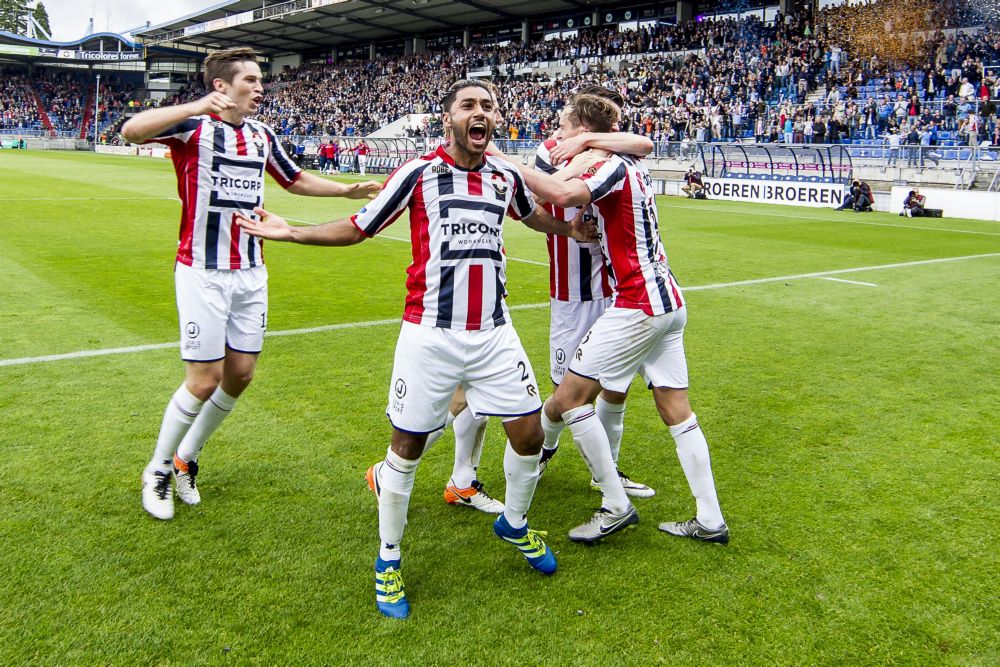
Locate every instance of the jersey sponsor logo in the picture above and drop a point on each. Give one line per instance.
(230, 183)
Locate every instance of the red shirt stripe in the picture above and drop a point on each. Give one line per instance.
(475, 313)
(420, 244)
(475, 180)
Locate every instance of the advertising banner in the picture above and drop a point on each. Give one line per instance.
(794, 193)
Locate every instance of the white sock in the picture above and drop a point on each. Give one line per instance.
(434, 436)
(612, 415)
(177, 419)
(552, 430)
(592, 441)
(522, 477)
(469, 435)
(216, 408)
(692, 450)
(395, 478)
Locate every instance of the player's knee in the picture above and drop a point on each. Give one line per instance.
(203, 386)
(672, 404)
(409, 446)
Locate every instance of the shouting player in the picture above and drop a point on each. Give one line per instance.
(220, 156)
(456, 328)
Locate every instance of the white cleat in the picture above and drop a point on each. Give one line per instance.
(184, 481)
(157, 494)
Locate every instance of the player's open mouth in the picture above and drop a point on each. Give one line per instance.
(477, 132)
(257, 99)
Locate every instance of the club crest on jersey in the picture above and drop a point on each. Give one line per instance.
(440, 169)
(258, 141)
(500, 185)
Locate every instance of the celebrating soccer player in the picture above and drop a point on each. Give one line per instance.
(642, 332)
(220, 155)
(456, 328)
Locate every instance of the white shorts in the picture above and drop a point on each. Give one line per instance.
(626, 341)
(431, 362)
(219, 309)
(569, 322)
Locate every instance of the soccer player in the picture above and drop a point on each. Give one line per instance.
(642, 332)
(362, 150)
(577, 281)
(220, 155)
(579, 287)
(456, 328)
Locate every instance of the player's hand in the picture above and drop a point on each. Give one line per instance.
(366, 190)
(583, 227)
(568, 148)
(581, 164)
(269, 226)
(215, 102)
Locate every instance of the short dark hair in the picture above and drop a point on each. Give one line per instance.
(223, 64)
(452, 92)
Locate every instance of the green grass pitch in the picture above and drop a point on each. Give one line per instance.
(853, 429)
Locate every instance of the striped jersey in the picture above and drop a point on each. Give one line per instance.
(220, 171)
(576, 270)
(623, 201)
(458, 274)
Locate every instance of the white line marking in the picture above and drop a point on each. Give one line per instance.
(846, 219)
(89, 199)
(528, 306)
(820, 274)
(850, 282)
(396, 238)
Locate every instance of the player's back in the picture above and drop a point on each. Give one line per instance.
(625, 207)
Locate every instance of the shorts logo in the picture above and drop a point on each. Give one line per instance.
(400, 388)
(192, 329)
(560, 356)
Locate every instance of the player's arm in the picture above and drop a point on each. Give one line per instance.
(311, 185)
(615, 142)
(154, 122)
(542, 221)
(565, 194)
(273, 227)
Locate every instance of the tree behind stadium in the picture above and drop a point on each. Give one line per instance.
(12, 13)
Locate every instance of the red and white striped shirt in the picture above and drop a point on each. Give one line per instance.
(220, 171)
(458, 274)
(576, 270)
(623, 200)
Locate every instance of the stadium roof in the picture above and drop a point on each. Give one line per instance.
(299, 25)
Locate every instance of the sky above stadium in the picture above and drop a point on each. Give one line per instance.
(68, 18)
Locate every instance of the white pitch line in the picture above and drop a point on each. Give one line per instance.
(846, 219)
(89, 199)
(402, 240)
(850, 282)
(820, 274)
(528, 306)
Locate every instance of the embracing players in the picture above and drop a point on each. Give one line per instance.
(220, 155)
(642, 332)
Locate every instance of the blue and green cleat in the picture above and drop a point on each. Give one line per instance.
(389, 594)
(529, 543)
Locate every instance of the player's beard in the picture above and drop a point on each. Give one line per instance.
(460, 135)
